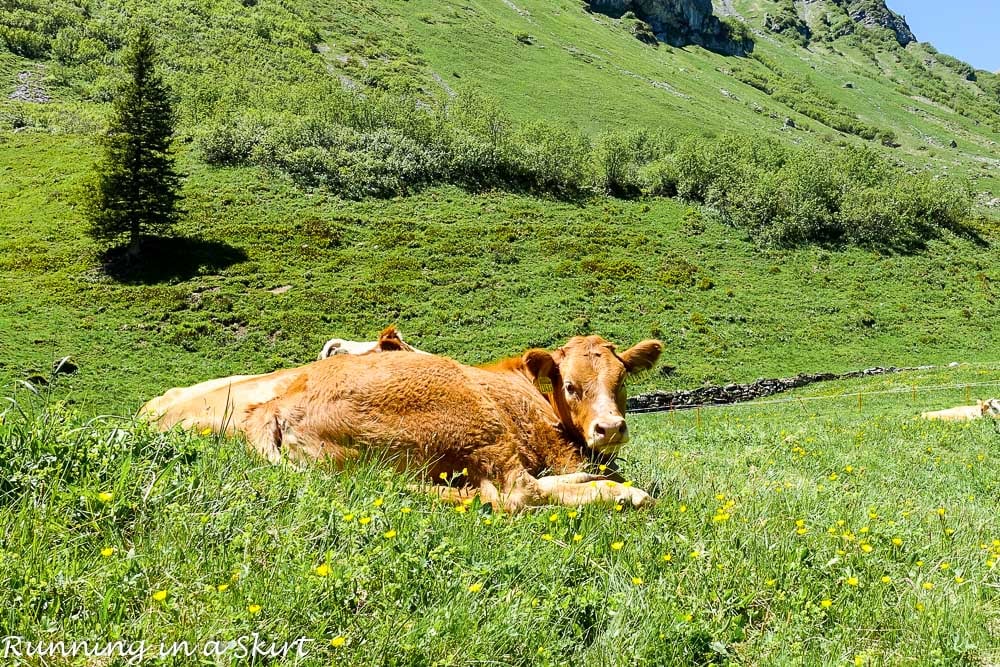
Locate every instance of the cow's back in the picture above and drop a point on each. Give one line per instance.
(419, 410)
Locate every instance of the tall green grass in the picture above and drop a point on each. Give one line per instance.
(801, 533)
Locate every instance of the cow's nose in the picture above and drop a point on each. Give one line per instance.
(610, 430)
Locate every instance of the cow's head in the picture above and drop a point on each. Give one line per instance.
(588, 385)
(990, 408)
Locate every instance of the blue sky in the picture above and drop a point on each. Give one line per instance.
(966, 29)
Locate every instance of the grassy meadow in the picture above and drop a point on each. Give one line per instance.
(802, 532)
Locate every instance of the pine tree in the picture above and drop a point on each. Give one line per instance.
(136, 188)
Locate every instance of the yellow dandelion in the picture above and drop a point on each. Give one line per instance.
(322, 570)
(206, 431)
(949, 531)
(859, 661)
(487, 521)
(365, 520)
(547, 537)
(105, 496)
(959, 579)
(688, 618)
(851, 581)
(554, 517)
(832, 477)
(572, 515)
(897, 542)
(253, 608)
(222, 588)
(801, 531)
(636, 581)
(919, 606)
(389, 534)
(941, 511)
(683, 508)
(443, 475)
(377, 502)
(826, 604)
(617, 546)
(627, 483)
(695, 555)
(405, 510)
(886, 579)
(720, 518)
(928, 585)
(338, 641)
(920, 563)
(619, 507)
(160, 595)
(577, 537)
(667, 558)
(107, 551)
(348, 517)
(461, 509)
(849, 469)
(475, 588)
(944, 566)
(867, 548)
(602, 467)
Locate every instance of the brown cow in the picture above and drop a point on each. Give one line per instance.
(502, 425)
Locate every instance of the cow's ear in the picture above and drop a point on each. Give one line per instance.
(539, 363)
(641, 356)
(982, 406)
(389, 340)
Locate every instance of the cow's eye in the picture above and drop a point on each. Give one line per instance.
(572, 389)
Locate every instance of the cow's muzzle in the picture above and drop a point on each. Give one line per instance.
(608, 434)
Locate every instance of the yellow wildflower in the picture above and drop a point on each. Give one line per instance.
(826, 604)
(338, 641)
(253, 608)
(160, 595)
(105, 496)
(617, 546)
(107, 551)
(365, 520)
(475, 588)
(322, 570)
(389, 534)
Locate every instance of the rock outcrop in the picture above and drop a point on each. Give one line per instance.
(678, 22)
(875, 14)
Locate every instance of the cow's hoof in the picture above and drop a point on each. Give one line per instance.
(635, 497)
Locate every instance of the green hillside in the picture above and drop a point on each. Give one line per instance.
(465, 272)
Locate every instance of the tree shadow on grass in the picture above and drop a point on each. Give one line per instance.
(166, 258)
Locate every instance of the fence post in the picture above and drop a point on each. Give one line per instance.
(968, 393)
(697, 412)
(859, 401)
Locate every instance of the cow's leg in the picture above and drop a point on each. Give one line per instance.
(573, 493)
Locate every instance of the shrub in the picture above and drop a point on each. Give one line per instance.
(617, 159)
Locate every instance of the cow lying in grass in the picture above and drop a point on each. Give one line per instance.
(501, 426)
(988, 408)
(341, 346)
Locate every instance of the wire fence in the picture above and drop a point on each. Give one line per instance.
(912, 390)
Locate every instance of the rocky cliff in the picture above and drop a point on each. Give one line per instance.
(678, 22)
(875, 14)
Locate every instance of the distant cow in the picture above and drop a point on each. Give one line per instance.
(389, 340)
(498, 427)
(988, 408)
